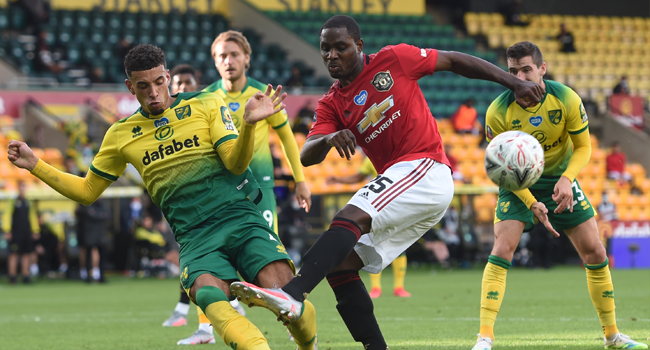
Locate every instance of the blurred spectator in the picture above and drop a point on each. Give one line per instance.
(616, 161)
(38, 137)
(607, 209)
(622, 87)
(302, 123)
(457, 175)
(21, 235)
(293, 227)
(123, 47)
(153, 247)
(541, 246)
(93, 227)
(37, 13)
(464, 119)
(47, 247)
(566, 39)
(183, 79)
(97, 75)
(46, 59)
(295, 80)
(634, 189)
(511, 11)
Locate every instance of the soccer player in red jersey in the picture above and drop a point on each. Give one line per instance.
(376, 104)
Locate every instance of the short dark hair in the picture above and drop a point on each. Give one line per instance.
(340, 21)
(144, 57)
(183, 69)
(523, 49)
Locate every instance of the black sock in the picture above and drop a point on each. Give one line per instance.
(185, 299)
(356, 309)
(330, 250)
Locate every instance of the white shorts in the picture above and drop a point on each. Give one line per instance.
(404, 202)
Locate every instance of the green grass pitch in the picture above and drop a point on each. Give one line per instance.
(543, 309)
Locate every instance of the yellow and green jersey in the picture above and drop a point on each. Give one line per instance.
(559, 114)
(367, 168)
(175, 153)
(262, 162)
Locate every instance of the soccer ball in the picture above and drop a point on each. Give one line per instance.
(514, 160)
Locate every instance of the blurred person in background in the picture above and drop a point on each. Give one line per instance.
(149, 236)
(295, 80)
(464, 119)
(366, 172)
(622, 87)
(47, 247)
(22, 233)
(566, 39)
(302, 123)
(607, 209)
(93, 220)
(457, 174)
(615, 164)
(183, 79)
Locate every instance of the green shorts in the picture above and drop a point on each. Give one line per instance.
(269, 208)
(236, 239)
(510, 207)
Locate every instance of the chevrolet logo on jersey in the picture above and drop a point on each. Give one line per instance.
(168, 150)
(183, 112)
(382, 81)
(375, 114)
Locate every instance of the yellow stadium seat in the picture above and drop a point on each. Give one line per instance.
(635, 170)
(53, 155)
(485, 215)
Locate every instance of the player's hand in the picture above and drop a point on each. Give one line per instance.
(528, 94)
(540, 211)
(303, 195)
(563, 195)
(344, 142)
(21, 155)
(263, 105)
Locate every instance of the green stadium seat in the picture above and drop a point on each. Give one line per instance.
(175, 25)
(97, 19)
(64, 36)
(176, 39)
(66, 19)
(105, 53)
(89, 54)
(161, 24)
(82, 20)
(74, 54)
(205, 24)
(129, 22)
(4, 19)
(112, 37)
(145, 22)
(96, 36)
(113, 20)
(144, 38)
(191, 40)
(80, 37)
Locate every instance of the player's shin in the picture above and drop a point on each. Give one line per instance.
(399, 271)
(601, 290)
(235, 330)
(356, 309)
(304, 330)
(493, 290)
(330, 250)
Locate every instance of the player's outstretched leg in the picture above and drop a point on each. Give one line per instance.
(399, 272)
(375, 285)
(356, 309)
(179, 316)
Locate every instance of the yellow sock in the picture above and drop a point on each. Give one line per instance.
(399, 271)
(375, 280)
(304, 330)
(601, 290)
(202, 317)
(492, 291)
(235, 330)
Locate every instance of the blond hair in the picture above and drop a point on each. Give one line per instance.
(236, 37)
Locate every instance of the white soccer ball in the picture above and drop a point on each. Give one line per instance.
(514, 160)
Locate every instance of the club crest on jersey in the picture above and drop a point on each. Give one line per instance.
(489, 133)
(234, 106)
(227, 120)
(315, 117)
(382, 81)
(183, 112)
(555, 116)
(160, 122)
(583, 113)
(361, 98)
(536, 120)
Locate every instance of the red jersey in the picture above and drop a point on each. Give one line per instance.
(385, 109)
(616, 162)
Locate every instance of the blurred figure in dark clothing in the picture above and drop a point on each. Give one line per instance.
(37, 13)
(93, 227)
(293, 228)
(541, 245)
(566, 39)
(21, 236)
(295, 80)
(511, 11)
(47, 248)
(302, 123)
(622, 87)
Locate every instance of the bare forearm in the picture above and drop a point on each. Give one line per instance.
(315, 150)
(351, 179)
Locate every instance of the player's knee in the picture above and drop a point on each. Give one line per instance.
(596, 255)
(207, 295)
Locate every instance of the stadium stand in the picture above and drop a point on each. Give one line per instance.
(607, 49)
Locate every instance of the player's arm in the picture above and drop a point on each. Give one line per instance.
(82, 190)
(237, 154)
(292, 155)
(527, 93)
